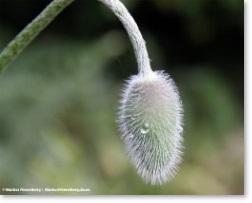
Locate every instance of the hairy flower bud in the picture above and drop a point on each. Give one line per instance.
(150, 120)
(150, 113)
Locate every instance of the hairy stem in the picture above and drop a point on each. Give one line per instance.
(16, 46)
(134, 34)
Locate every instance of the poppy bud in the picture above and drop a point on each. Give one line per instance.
(150, 121)
(150, 113)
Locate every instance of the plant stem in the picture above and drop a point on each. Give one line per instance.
(134, 33)
(16, 46)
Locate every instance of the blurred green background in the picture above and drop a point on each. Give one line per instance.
(58, 100)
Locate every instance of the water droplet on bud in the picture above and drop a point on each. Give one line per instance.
(145, 128)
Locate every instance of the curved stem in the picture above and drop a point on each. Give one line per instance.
(134, 34)
(15, 47)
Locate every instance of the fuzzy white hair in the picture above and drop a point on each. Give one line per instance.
(150, 120)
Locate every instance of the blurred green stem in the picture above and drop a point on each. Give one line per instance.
(16, 46)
